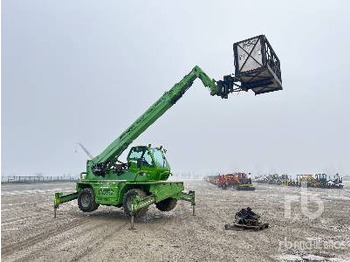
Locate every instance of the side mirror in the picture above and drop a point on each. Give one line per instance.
(139, 163)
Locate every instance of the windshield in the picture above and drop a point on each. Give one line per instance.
(135, 154)
(141, 153)
(160, 158)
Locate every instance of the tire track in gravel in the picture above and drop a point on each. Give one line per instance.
(16, 215)
(97, 241)
(181, 241)
(150, 232)
(25, 193)
(92, 229)
(19, 218)
(30, 241)
(46, 244)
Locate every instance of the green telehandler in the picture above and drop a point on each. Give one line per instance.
(142, 180)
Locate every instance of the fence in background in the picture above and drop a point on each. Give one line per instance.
(36, 179)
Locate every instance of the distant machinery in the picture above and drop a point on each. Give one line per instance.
(239, 181)
(320, 180)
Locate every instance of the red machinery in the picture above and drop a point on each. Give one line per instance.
(240, 181)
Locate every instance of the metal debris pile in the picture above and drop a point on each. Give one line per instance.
(247, 219)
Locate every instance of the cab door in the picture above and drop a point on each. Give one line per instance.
(141, 163)
(163, 168)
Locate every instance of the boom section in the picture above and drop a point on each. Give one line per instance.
(166, 101)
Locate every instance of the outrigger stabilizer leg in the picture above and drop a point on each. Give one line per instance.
(138, 203)
(132, 223)
(190, 197)
(60, 198)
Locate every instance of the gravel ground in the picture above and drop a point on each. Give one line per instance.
(30, 233)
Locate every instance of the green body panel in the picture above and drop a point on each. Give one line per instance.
(111, 192)
(164, 190)
(139, 203)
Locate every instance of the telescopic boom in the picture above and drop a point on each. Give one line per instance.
(257, 69)
(166, 101)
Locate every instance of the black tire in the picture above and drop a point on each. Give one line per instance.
(167, 204)
(127, 202)
(86, 200)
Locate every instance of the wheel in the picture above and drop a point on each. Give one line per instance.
(166, 204)
(127, 202)
(86, 200)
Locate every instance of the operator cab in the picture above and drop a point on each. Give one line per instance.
(151, 163)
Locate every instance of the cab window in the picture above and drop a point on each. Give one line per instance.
(160, 158)
(136, 153)
(147, 159)
(143, 154)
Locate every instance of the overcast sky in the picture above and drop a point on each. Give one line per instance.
(82, 71)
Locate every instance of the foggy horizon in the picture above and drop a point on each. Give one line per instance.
(83, 71)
